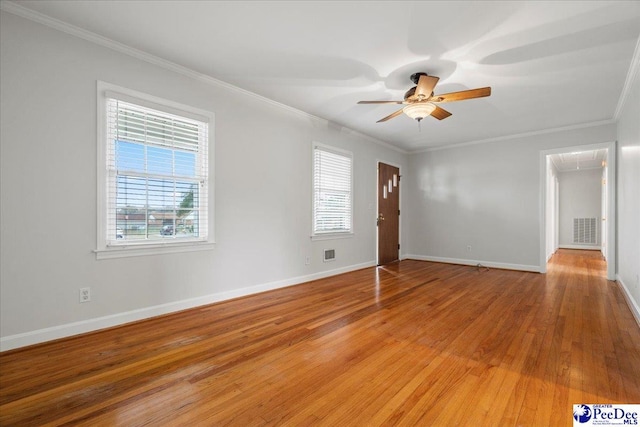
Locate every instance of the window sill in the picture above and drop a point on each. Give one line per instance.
(332, 236)
(124, 251)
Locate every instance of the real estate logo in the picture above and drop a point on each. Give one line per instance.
(605, 415)
(581, 413)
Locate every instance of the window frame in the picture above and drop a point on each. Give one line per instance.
(105, 247)
(315, 235)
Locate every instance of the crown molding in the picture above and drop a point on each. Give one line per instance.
(56, 24)
(13, 8)
(517, 135)
(631, 74)
(16, 9)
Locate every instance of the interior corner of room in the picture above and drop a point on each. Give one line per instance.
(470, 190)
(319, 213)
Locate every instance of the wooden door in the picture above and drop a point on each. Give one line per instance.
(388, 213)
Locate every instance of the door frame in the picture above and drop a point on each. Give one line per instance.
(377, 209)
(610, 222)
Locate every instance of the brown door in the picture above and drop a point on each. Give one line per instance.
(388, 213)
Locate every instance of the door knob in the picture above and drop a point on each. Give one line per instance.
(379, 219)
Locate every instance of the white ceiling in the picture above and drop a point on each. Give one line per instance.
(580, 160)
(550, 64)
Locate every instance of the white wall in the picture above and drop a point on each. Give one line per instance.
(486, 196)
(580, 197)
(628, 194)
(48, 192)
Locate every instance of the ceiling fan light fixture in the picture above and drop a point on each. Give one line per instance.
(419, 110)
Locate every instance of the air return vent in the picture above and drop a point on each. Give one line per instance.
(329, 255)
(585, 230)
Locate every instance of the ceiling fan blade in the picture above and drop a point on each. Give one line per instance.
(440, 113)
(390, 116)
(459, 96)
(380, 102)
(425, 86)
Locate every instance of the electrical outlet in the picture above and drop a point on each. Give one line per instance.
(85, 294)
(307, 260)
(468, 248)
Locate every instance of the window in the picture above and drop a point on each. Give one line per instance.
(332, 191)
(156, 176)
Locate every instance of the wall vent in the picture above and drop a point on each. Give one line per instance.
(585, 230)
(329, 255)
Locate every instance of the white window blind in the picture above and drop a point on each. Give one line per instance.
(332, 191)
(157, 184)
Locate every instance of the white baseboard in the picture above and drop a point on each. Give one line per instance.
(62, 331)
(583, 247)
(502, 265)
(633, 305)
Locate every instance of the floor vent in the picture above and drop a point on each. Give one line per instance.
(329, 255)
(585, 230)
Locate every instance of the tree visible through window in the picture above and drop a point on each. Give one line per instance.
(157, 166)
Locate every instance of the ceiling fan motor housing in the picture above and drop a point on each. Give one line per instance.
(410, 93)
(416, 76)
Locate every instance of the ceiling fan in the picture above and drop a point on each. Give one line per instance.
(421, 102)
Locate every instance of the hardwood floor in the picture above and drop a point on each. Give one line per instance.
(413, 343)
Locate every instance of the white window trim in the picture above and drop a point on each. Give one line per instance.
(331, 235)
(103, 249)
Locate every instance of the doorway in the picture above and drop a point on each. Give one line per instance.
(388, 220)
(549, 217)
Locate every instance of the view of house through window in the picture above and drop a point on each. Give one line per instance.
(157, 175)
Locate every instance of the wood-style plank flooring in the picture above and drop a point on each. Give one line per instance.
(412, 344)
